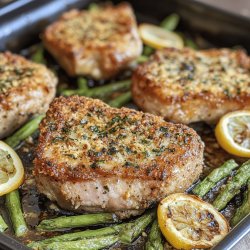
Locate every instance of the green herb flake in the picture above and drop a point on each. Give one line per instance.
(71, 156)
(57, 139)
(94, 129)
(112, 151)
(163, 129)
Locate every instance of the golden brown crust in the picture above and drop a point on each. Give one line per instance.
(96, 43)
(85, 139)
(188, 86)
(26, 88)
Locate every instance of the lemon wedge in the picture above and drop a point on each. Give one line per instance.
(187, 222)
(158, 38)
(11, 169)
(233, 133)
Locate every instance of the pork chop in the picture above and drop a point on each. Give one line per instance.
(93, 157)
(185, 86)
(26, 88)
(97, 43)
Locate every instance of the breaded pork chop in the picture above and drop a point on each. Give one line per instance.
(26, 88)
(97, 43)
(189, 86)
(96, 158)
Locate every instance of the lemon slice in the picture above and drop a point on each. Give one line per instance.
(158, 38)
(11, 169)
(188, 222)
(233, 133)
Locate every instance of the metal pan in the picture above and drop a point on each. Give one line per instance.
(22, 21)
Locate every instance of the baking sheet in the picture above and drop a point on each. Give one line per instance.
(15, 28)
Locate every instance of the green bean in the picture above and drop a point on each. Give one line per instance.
(127, 232)
(38, 56)
(76, 221)
(93, 7)
(82, 83)
(154, 241)
(100, 92)
(170, 22)
(147, 51)
(244, 209)
(85, 244)
(133, 229)
(215, 176)
(142, 59)
(190, 43)
(121, 100)
(13, 205)
(24, 132)
(78, 236)
(3, 225)
(12, 199)
(233, 186)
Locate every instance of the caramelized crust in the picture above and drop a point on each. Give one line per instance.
(97, 43)
(93, 157)
(83, 139)
(190, 86)
(26, 88)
